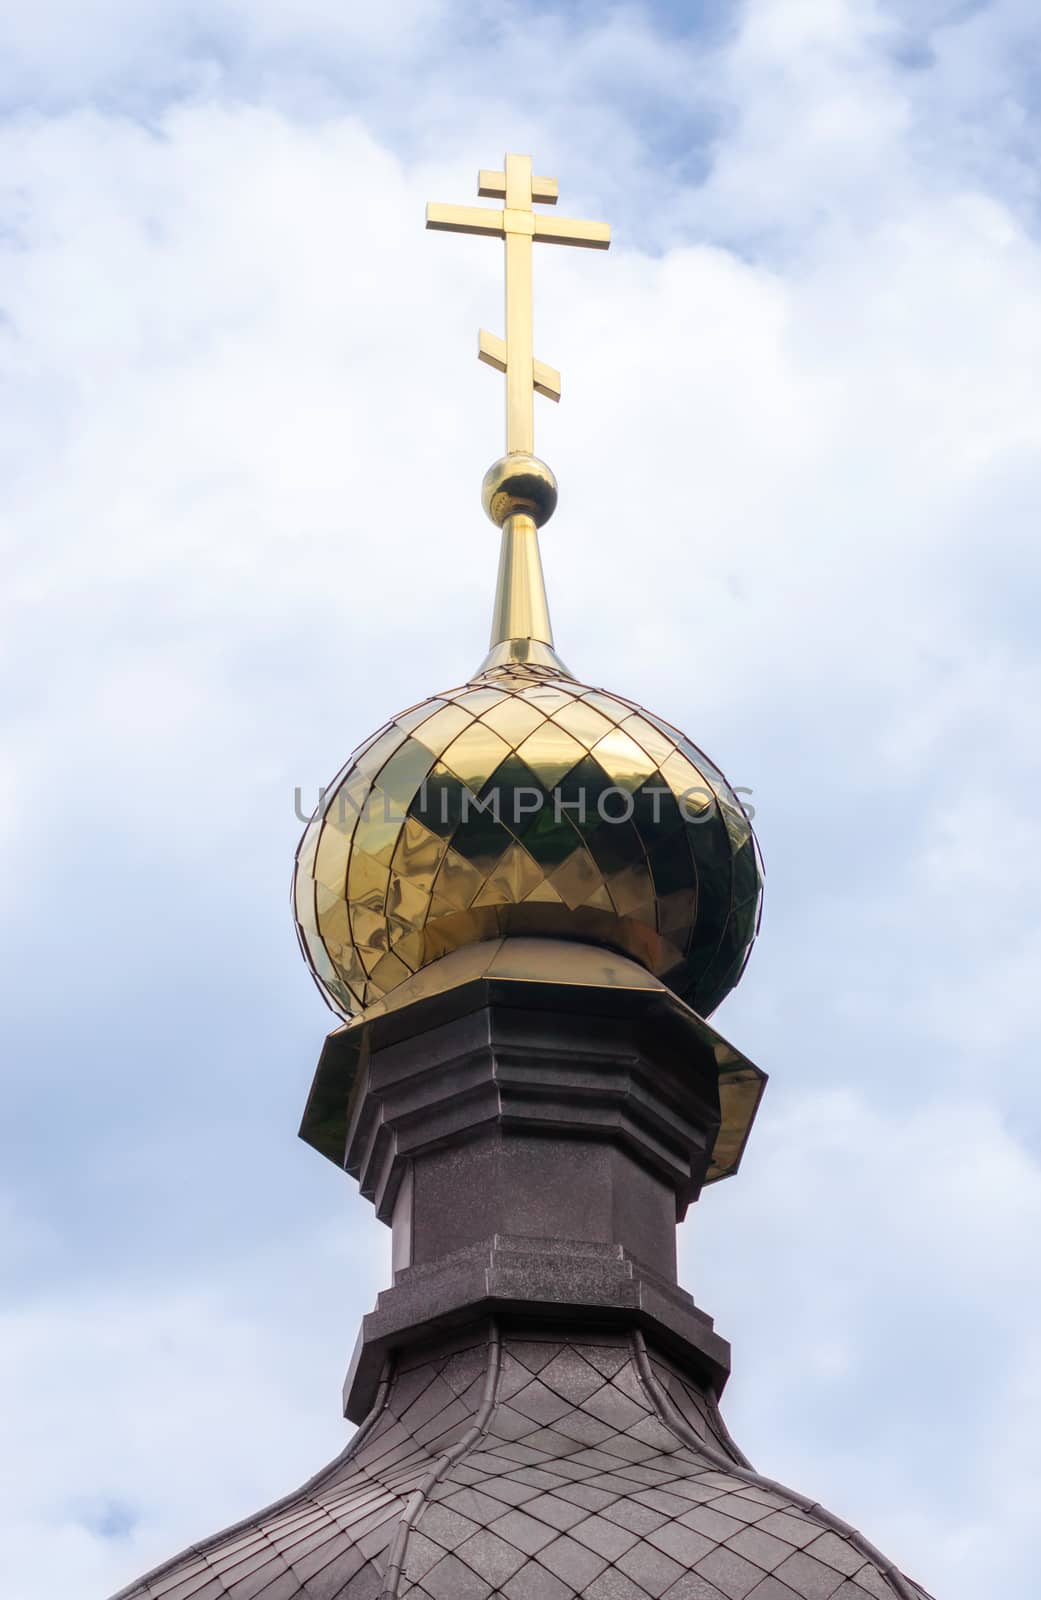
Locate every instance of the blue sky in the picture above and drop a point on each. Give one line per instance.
(241, 443)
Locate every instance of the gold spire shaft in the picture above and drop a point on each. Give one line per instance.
(521, 629)
(521, 609)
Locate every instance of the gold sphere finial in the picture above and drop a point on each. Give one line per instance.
(519, 484)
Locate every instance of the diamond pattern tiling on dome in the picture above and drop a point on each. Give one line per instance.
(525, 803)
(544, 1469)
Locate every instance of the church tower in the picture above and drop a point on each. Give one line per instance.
(524, 896)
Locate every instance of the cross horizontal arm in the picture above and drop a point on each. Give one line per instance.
(492, 351)
(466, 219)
(492, 185)
(566, 230)
(551, 230)
(545, 380)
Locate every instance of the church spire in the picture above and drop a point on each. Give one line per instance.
(519, 492)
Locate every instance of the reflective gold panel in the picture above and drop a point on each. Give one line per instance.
(457, 882)
(377, 829)
(584, 721)
(551, 752)
(418, 854)
(513, 719)
(439, 731)
(474, 756)
(330, 862)
(628, 765)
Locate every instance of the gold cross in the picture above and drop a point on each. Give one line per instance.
(519, 225)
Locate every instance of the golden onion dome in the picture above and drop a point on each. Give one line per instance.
(523, 802)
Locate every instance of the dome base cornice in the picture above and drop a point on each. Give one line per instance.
(539, 1282)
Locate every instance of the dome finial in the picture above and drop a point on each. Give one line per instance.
(519, 491)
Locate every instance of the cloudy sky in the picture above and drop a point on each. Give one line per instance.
(242, 437)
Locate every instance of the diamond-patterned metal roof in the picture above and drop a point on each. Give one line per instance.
(536, 1468)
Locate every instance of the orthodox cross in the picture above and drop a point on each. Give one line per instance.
(519, 225)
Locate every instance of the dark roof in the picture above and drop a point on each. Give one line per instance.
(536, 1467)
